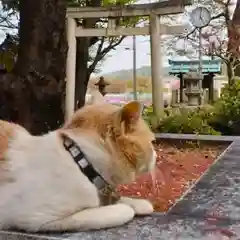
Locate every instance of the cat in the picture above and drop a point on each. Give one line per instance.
(42, 187)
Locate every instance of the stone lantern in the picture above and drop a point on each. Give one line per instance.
(102, 86)
(193, 91)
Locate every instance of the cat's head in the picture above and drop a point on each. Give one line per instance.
(122, 132)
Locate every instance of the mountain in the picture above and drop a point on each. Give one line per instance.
(128, 73)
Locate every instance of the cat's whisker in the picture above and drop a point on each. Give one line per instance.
(162, 176)
(153, 176)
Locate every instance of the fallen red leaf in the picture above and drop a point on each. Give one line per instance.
(177, 169)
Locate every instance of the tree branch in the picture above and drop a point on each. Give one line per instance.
(222, 14)
(101, 53)
(100, 46)
(190, 33)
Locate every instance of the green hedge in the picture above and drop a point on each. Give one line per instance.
(182, 121)
(223, 118)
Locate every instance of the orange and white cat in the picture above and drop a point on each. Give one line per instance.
(42, 188)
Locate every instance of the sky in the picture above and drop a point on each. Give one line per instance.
(123, 59)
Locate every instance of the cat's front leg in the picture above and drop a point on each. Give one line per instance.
(92, 219)
(140, 206)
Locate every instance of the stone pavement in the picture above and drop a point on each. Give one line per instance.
(210, 210)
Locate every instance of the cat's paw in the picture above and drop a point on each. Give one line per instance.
(140, 206)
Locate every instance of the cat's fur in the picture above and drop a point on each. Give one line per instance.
(42, 188)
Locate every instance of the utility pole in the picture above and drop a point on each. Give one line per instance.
(134, 69)
(200, 65)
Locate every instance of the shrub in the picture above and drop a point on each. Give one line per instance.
(150, 118)
(226, 117)
(182, 121)
(188, 123)
(223, 117)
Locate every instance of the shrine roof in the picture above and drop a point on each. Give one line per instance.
(183, 66)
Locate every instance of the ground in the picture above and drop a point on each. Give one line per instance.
(178, 167)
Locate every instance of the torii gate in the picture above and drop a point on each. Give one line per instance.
(155, 30)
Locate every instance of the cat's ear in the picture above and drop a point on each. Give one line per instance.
(130, 115)
(96, 98)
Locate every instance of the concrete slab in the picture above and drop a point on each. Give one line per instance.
(218, 192)
(155, 227)
(173, 136)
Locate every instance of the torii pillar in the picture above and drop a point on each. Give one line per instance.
(156, 65)
(70, 68)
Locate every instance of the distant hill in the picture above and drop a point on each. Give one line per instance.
(128, 74)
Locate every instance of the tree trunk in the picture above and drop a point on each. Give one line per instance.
(230, 73)
(237, 71)
(38, 77)
(82, 76)
(236, 14)
(233, 32)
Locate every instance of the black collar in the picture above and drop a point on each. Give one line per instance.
(105, 189)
